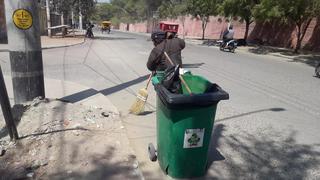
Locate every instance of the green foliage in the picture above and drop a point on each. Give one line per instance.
(104, 11)
(203, 9)
(239, 8)
(173, 8)
(298, 12)
(86, 7)
(134, 10)
(295, 11)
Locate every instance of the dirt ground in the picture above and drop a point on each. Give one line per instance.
(67, 141)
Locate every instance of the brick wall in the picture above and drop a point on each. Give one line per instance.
(275, 34)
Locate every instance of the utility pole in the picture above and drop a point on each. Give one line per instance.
(6, 109)
(25, 49)
(48, 17)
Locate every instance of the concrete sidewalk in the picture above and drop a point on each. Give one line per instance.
(88, 121)
(54, 42)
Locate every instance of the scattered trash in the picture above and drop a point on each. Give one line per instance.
(33, 152)
(77, 126)
(135, 165)
(38, 163)
(2, 151)
(76, 133)
(104, 114)
(90, 120)
(66, 122)
(69, 172)
(30, 175)
(122, 127)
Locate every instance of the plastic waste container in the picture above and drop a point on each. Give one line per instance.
(184, 126)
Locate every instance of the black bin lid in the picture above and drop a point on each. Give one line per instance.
(212, 95)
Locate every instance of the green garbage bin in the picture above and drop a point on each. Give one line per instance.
(184, 126)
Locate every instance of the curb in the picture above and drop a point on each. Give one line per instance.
(4, 50)
(62, 46)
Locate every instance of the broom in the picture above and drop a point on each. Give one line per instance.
(138, 106)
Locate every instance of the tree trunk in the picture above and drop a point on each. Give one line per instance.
(298, 45)
(247, 30)
(204, 26)
(183, 20)
(301, 33)
(203, 32)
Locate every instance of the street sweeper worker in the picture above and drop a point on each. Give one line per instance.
(165, 42)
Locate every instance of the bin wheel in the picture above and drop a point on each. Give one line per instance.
(152, 152)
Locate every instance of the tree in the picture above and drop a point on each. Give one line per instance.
(242, 9)
(129, 10)
(298, 12)
(86, 7)
(174, 9)
(203, 9)
(104, 11)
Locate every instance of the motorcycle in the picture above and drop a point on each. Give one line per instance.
(230, 45)
(317, 70)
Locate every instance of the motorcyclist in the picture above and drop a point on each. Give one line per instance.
(165, 42)
(228, 35)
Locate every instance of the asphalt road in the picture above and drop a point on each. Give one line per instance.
(269, 129)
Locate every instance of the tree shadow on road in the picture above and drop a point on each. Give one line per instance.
(252, 112)
(267, 157)
(213, 153)
(308, 58)
(264, 50)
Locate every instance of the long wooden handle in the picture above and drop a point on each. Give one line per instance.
(186, 85)
(149, 79)
(180, 77)
(168, 58)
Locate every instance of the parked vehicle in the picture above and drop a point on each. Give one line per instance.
(230, 45)
(106, 27)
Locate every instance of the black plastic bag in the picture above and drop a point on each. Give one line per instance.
(171, 80)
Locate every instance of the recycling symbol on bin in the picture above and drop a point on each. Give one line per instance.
(194, 140)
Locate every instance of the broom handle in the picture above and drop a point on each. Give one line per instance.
(185, 84)
(168, 58)
(149, 79)
(181, 78)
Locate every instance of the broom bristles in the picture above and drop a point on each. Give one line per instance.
(139, 105)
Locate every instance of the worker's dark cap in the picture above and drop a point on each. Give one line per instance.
(158, 35)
